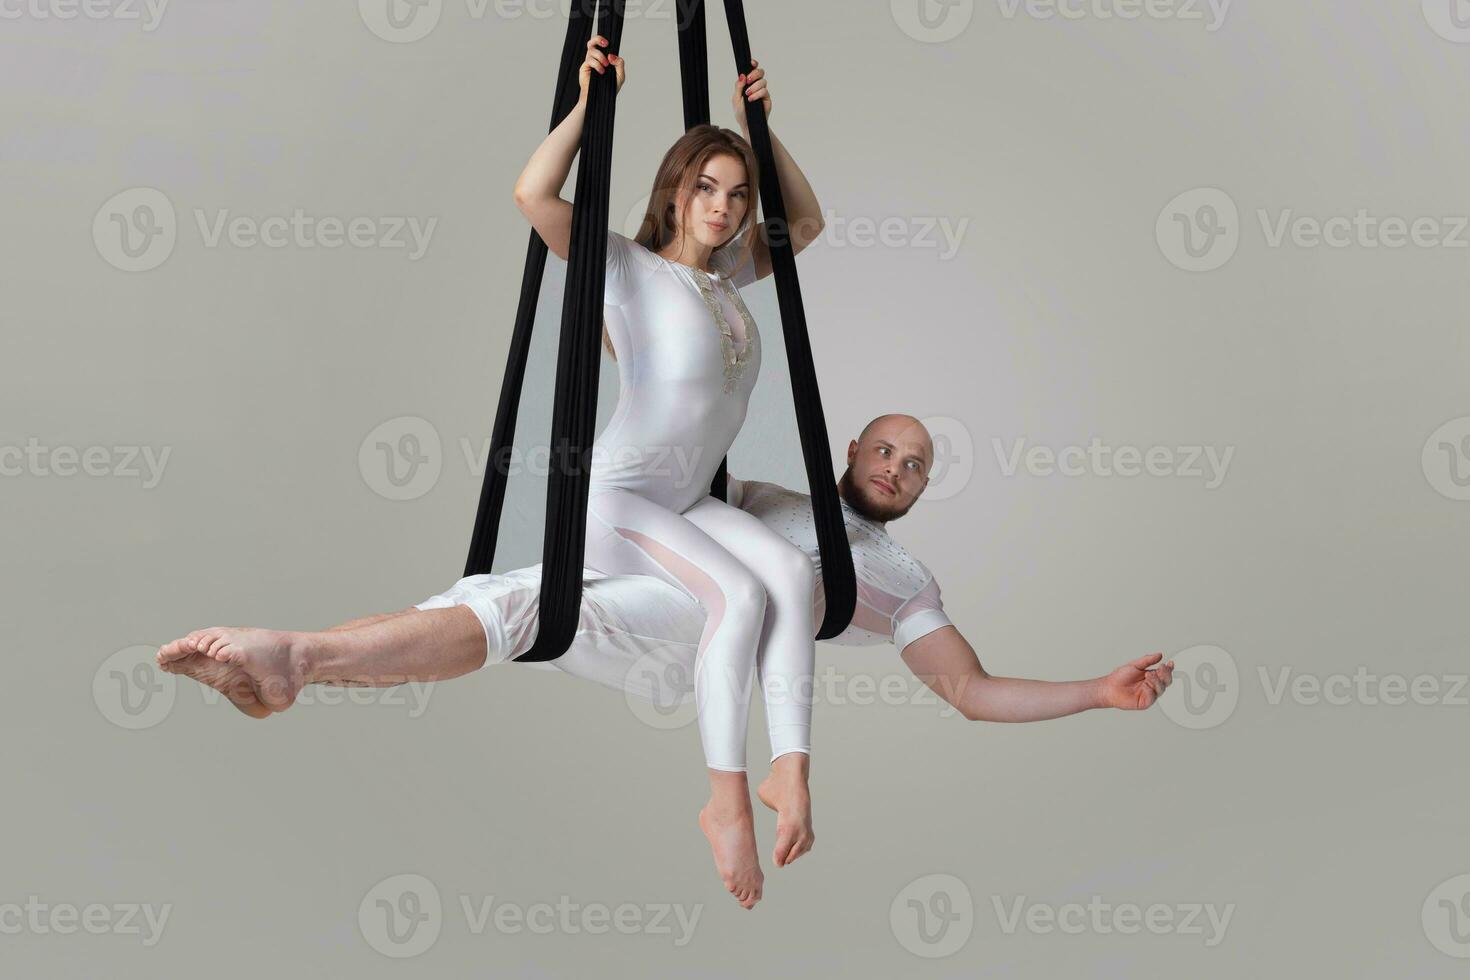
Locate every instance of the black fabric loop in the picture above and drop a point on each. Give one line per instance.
(839, 583)
(574, 410)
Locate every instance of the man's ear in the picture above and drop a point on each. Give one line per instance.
(851, 450)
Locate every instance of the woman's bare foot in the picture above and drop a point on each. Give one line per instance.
(785, 791)
(273, 661)
(227, 679)
(731, 835)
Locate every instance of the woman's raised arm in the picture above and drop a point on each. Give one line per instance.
(538, 189)
(803, 212)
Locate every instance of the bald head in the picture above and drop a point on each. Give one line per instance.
(900, 427)
(887, 467)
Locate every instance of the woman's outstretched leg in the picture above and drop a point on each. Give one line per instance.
(629, 534)
(785, 661)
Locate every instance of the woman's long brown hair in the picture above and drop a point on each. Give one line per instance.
(680, 170)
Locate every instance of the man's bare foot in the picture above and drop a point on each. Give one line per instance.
(732, 838)
(785, 791)
(228, 679)
(272, 660)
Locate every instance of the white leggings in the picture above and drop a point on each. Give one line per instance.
(755, 588)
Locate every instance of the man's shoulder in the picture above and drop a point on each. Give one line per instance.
(745, 492)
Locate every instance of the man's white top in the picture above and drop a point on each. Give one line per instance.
(898, 598)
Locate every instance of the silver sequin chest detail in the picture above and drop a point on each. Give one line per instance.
(735, 361)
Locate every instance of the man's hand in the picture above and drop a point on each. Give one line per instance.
(1135, 686)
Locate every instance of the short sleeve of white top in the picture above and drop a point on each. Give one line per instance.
(628, 266)
(737, 263)
(898, 597)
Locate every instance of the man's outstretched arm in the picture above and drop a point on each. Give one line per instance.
(944, 660)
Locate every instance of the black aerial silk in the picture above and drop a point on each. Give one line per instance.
(574, 410)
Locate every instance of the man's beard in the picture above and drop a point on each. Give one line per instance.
(862, 500)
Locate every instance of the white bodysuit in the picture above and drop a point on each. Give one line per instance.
(641, 636)
(684, 384)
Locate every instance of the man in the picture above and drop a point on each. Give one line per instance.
(637, 632)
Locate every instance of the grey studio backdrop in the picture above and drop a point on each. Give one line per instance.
(1078, 239)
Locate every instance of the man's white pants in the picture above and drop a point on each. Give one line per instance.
(636, 633)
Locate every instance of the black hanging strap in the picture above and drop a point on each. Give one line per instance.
(574, 405)
(693, 62)
(574, 409)
(502, 438)
(839, 582)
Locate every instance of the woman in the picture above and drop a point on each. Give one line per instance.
(688, 354)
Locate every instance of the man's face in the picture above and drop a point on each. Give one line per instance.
(887, 468)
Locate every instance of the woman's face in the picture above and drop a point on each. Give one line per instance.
(717, 202)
